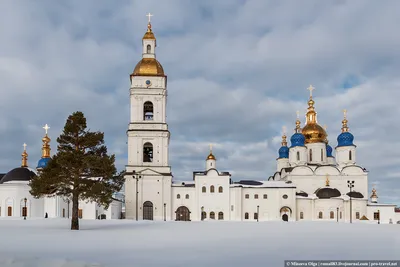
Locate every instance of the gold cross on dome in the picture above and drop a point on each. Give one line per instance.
(46, 128)
(311, 88)
(24, 145)
(298, 114)
(325, 127)
(344, 113)
(284, 130)
(210, 147)
(149, 16)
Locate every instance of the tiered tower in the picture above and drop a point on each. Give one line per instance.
(148, 167)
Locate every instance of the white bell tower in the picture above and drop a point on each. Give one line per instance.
(148, 175)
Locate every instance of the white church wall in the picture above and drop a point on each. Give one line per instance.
(317, 154)
(213, 201)
(397, 217)
(236, 213)
(329, 209)
(184, 197)
(269, 207)
(304, 207)
(386, 213)
(12, 201)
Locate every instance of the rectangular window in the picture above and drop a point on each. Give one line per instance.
(298, 156)
(80, 214)
(376, 215)
(310, 155)
(322, 154)
(301, 215)
(265, 196)
(232, 208)
(357, 215)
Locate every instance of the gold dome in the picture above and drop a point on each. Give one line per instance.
(149, 35)
(312, 131)
(148, 67)
(211, 156)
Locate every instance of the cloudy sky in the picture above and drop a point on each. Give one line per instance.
(237, 71)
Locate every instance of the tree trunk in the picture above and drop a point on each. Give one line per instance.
(75, 209)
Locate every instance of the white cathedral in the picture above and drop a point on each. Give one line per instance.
(309, 182)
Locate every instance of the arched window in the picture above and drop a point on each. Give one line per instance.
(357, 215)
(298, 155)
(255, 196)
(332, 215)
(147, 152)
(148, 111)
(255, 216)
(265, 196)
(320, 215)
(212, 189)
(148, 49)
(187, 196)
(63, 213)
(301, 215)
(212, 215)
(220, 215)
(246, 216)
(80, 213)
(203, 215)
(350, 156)
(246, 196)
(178, 196)
(203, 189)
(220, 189)
(322, 154)
(340, 215)
(310, 155)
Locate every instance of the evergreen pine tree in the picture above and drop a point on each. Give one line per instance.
(80, 170)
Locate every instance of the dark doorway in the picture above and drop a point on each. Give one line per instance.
(148, 210)
(182, 214)
(285, 217)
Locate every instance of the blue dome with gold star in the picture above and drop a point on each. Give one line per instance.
(283, 152)
(345, 139)
(297, 139)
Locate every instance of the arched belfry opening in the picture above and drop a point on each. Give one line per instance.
(148, 152)
(148, 111)
(148, 49)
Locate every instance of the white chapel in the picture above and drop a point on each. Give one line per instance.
(312, 180)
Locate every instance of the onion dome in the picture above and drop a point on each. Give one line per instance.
(211, 156)
(45, 150)
(297, 138)
(374, 195)
(312, 131)
(284, 150)
(345, 138)
(18, 174)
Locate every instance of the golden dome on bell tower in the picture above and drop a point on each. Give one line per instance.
(148, 65)
(312, 131)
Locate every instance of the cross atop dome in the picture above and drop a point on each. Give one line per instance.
(46, 128)
(24, 145)
(311, 88)
(149, 16)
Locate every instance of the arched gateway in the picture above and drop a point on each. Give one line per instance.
(182, 214)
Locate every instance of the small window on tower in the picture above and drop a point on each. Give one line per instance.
(148, 111)
(148, 49)
(298, 155)
(310, 155)
(350, 155)
(147, 152)
(322, 154)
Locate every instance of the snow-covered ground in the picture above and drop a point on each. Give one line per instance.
(120, 243)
